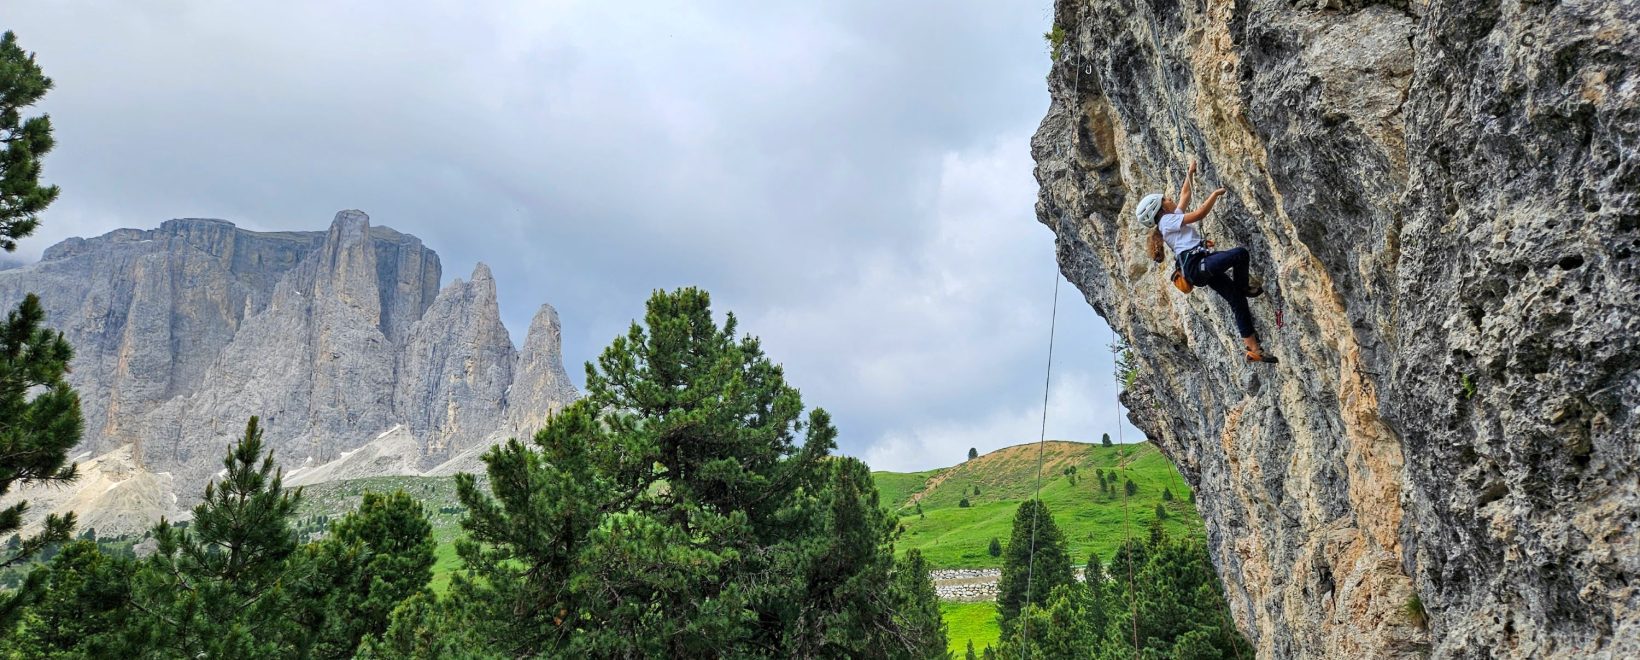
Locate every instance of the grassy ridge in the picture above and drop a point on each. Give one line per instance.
(952, 536)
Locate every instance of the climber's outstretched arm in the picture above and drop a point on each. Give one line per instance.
(1184, 190)
(1201, 211)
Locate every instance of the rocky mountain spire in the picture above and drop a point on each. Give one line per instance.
(455, 368)
(540, 386)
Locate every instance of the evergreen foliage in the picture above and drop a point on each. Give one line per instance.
(221, 588)
(373, 559)
(973, 453)
(915, 609)
(1052, 563)
(1104, 439)
(80, 612)
(1167, 495)
(996, 547)
(673, 512)
(22, 143)
(1172, 588)
(1130, 488)
(39, 423)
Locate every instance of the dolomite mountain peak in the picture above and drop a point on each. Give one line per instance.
(337, 339)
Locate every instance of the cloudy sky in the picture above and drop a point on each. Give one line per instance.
(852, 179)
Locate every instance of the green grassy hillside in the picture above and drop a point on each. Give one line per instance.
(953, 536)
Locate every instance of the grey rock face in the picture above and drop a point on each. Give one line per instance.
(540, 387)
(1443, 199)
(456, 367)
(333, 338)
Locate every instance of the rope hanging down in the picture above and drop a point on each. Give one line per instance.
(1047, 381)
(1156, 46)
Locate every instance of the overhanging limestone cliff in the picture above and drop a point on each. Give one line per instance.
(1444, 200)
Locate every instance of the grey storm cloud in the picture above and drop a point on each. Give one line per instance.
(852, 179)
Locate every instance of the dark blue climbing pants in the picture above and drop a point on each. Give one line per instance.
(1226, 274)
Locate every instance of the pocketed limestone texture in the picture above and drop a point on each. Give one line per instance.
(1443, 199)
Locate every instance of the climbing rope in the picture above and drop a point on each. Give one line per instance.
(1127, 527)
(1047, 381)
(1156, 51)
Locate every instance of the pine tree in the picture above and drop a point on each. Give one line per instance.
(372, 559)
(1167, 495)
(973, 453)
(1178, 597)
(996, 547)
(1062, 627)
(915, 608)
(81, 609)
(1130, 487)
(24, 142)
(1052, 564)
(221, 587)
(970, 654)
(1105, 440)
(1094, 572)
(673, 512)
(39, 423)
(1161, 513)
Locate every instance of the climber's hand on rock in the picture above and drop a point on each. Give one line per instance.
(1217, 193)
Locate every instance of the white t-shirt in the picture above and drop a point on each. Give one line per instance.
(1177, 234)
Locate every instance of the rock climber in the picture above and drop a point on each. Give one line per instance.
(1225, 272)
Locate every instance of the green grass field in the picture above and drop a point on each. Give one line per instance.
(952, 536)
(969, 621)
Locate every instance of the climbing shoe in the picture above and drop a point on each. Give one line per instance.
(1255, 291)
(1258, 357)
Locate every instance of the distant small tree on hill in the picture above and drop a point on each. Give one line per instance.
(1131, 487)
(973, 453)
(1105, 440)
(996, 547)
(1167, 495)
(964, 503)
(1161, 512)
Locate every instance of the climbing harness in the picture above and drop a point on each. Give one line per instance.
(1183, 265)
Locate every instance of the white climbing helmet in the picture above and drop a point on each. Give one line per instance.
(1147, 209)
